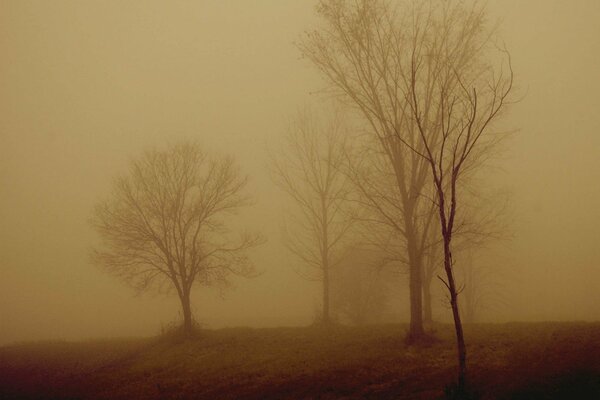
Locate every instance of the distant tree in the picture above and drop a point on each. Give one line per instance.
(475, 281)
(360, 288)
(357, 50)
(165, 224)
(430, 81)
(383, 225)
(484, 289)
(309, 169)
(382, 219)
(431, 265)
(485, 223)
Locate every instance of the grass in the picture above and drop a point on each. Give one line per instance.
(506, 361)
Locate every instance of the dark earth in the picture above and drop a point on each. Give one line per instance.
(506, 361)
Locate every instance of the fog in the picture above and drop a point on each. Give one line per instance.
(86, 86)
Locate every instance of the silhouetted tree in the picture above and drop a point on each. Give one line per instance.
(308, 169)
(447, 65)
(357, 50)
(165, 223)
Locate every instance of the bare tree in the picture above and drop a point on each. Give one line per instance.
(382, 222)
(423, 75)
(165, 224)
(431, 265)
(308, 168)
(447, 66)
(358, 51)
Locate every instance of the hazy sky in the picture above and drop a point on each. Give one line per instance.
(85, 85)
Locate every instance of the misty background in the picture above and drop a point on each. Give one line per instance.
(86, 86)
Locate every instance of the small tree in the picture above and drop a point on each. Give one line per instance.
(454, 95)
(309, 170)
(165, 223)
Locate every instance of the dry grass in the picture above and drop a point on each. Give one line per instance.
(525, 361)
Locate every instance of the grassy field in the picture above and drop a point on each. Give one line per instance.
(506, 361)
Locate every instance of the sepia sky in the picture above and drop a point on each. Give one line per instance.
(86, 85)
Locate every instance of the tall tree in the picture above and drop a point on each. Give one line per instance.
(166, 223)
(358, 50)
(382, 220)
(309, 169)
(424, 75)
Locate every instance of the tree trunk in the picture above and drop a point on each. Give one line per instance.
(427, 313)
(468, 309)
(415, 265)
(428, 273)
(460, 339)
(326, 314)
(187, 313)
(325, 258)
(416, 331)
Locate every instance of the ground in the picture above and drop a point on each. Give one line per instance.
(506, 361)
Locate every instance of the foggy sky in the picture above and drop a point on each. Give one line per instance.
(85, 86)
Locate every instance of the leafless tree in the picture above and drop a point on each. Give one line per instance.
(382, 221)
(431, 265)
(424, 75)
(357, 52)
(381, 217)
(308, 168)
(166, 223)
(448, 45)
